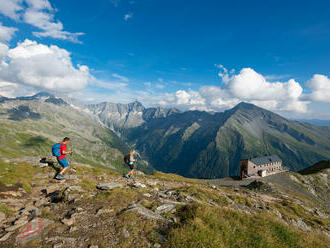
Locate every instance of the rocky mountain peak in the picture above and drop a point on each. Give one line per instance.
(136, 105)
(43, 94)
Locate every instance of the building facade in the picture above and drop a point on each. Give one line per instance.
(261, 166)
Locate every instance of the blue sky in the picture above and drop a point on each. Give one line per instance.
(173, 53)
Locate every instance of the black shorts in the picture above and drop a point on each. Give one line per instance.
(131, 166)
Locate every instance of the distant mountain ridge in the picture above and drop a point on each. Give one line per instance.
(316, 122)
(119, 117)
(207, 145)
(43, 96)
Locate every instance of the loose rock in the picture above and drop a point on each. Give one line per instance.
(68, 222)
(32, 230)
(104, 211)
(138, 185)
(165, 208)
(6, 236)
(145, 212)
(108, 186)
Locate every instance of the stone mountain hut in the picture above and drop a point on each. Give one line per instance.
(261, 166)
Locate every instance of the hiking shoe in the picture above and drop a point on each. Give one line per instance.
(59, 177)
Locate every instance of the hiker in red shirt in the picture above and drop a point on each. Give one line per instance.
(62, 161)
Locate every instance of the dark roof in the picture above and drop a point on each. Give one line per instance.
(265, 160)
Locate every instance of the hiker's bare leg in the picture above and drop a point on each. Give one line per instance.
(63, 170)
(131, 172)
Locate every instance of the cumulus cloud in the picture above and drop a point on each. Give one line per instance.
(320, 88)
(10, 90)
(42, 66)
(40, 14)
(11, 8)
(247, 85)
(6, 33)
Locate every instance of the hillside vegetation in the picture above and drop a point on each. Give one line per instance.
(31, 127)
(205, 145)
(170, 211)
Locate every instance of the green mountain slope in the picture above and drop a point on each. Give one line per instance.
(200, 144)
(30, 127)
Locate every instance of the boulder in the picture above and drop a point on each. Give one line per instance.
(104, 211)
(17, 224)
(68, 222)
(152, 183)
(165, 208)
(71, 177)
(145, 212)
(10, 194)
(73, 188)
(6, 236)
(32, 230)
(138, 185)
(51, 189)
(108, 186)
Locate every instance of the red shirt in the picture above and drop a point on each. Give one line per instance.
(62, 149)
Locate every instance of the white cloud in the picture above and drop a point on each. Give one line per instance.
(128, 16)
(3, 51)
(120, 77)
(160, 86)
(109, 85)
(44, 67)
(147, 84)
(320, 87)
(11, 90)
(247, 85)
(276, 77)
(6, 33)
(11, 8)
(40, 14)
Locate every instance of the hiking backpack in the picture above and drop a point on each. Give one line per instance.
(56, 150)
(126, 159)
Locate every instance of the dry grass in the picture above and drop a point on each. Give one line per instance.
(207, 227)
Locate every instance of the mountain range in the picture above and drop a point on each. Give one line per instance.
(30, 125)
(196, 143)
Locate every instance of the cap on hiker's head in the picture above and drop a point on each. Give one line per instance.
(66, 139)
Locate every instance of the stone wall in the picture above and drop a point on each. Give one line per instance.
(272, 167)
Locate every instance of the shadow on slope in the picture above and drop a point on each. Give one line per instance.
(21, 113)
(316, 168)
(35, 141)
